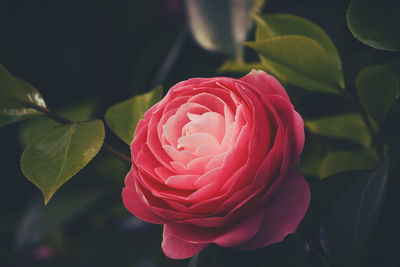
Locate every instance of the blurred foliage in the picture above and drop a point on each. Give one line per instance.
(103, 52)
(221, 25)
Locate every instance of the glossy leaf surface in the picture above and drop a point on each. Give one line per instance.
(15, 97)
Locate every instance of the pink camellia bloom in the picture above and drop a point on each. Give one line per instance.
(214, 162)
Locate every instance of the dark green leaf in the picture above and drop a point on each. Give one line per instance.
(15, 97)
(375, 23)
(349, 126)
(221, 25)
(75, 113)
(349, 204)
(123, 117)
(273, 255)
(341, 161)
(377, 88)
(301, 61)
(54, 156)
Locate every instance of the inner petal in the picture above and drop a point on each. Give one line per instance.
(209, 122)
(191, 142)
(172, 128)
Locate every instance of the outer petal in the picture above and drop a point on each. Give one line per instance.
(283, 213)
(135, 204)
(225, 236)
(244, 231)
(178, 249)
(265, 84)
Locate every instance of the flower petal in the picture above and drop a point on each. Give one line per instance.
(135, 204)
(265, 84)
(283, 212)
(226, 236)
(178, 249)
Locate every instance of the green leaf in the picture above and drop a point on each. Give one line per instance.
(341, 161)
(301, 61)
(274, 25)
(123, 117)
(239, 66)
(311, 158)
(377, 88)
(221, 25)
(347, 126)
(375, 23)
(75, 113)
(352, 202)
(16, 96)
(54, 156)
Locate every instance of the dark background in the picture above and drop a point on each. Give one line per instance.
(106, 51)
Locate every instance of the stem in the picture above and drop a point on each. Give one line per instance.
(171, 58)
(59, 118)
(375, 138)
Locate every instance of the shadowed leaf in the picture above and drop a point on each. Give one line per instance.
(377, 88)
(375, 23)
(347, 206)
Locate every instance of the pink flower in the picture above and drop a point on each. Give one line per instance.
(214, 162)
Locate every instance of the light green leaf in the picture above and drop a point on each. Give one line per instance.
(16, 96)
(239, 66)
(75, 113)
(274, 25)
(375, 23)
(301, 61)
(341, 161)
(221, 25)
(377, 88)
(348, 126)
(310, 165)
(123, 117)
(54, 156)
